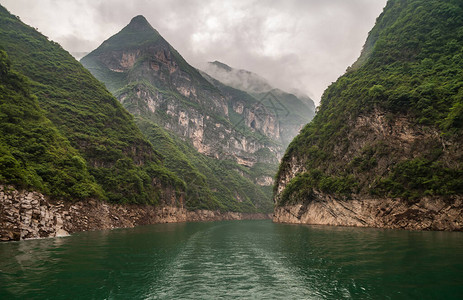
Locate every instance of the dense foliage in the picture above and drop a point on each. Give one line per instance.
(210, 183)
(32, 151)
(411, 66)
(111, 158)
(150, 87)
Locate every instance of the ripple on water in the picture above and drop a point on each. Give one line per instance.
(212, 265)
(229, 260)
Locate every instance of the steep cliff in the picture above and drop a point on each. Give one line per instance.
(386, 143)
(246, 89)
(27, 215)
(151, 79)
(225, 165)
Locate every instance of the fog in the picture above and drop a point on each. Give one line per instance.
(294, 44)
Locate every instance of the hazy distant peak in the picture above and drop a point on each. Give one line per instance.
(250, 82)
(237, 78)
(221, 65)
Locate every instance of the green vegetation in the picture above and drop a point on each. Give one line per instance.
(414, 178)
(157, 84)
(33, 154)
(210, 183)
(302, 186)
(411, 66)
(63, 132)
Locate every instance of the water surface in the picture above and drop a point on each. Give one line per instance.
(235, 259)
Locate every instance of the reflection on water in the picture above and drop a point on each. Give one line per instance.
(244, 259)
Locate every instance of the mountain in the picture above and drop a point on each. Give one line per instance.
(239, 79)
(71, 157)
(292, 110)
(385, 148)
(87, 119)
(150, 78)
(188, 120)
(33, 153)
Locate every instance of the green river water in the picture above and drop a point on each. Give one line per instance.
(235, 260)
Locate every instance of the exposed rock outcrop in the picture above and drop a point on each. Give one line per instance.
(210, 135)
(279, 115)
(385, 148)
(427, 214)
(152, 80)
(26, 215)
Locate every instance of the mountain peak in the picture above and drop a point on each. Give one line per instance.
(221, 65)
(138, 33)
(139, 18)
(139, 23)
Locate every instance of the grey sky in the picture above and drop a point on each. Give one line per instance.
(302, 44)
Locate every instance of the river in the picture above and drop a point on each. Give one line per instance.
(235, 259)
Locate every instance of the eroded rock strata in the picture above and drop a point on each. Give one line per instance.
(152, 80)
(427, 214)
(28, 215)
(385, 148)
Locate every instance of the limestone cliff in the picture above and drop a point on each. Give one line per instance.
(247, 89)
(236, 144)
(151, 79)
(426, 214)
(27, 215)
(385, 149)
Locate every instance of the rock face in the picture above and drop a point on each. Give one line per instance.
(427, 214)
(238, 139)
(385, 148)
(151, 79)
(26, 215)
(243, 88)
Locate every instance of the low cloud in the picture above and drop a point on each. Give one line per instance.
(294, 44)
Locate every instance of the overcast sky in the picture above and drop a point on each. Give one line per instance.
(302, 44)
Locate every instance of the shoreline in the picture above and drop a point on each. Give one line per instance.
(30, 215)
(430, 214)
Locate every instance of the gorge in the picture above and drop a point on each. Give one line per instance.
(139, 172)
(200, 163)
(383, 150)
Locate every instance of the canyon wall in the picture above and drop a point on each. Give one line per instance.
(28, 215)
(427, 214)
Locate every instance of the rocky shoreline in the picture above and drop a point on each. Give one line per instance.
(427, 214)
(29, 215)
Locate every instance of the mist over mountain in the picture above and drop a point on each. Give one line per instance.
(248, 81)
(239, 79)
(191, 121)
(293, 110)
